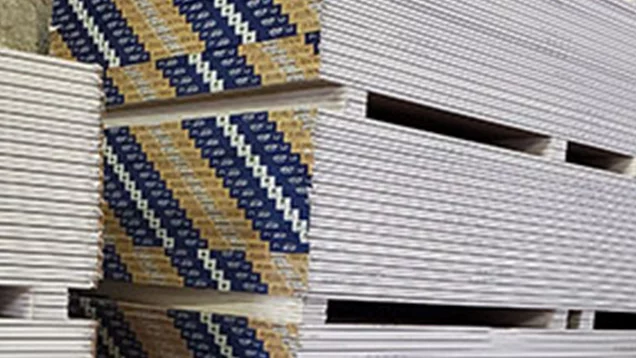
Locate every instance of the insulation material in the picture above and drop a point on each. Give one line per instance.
(24, 25)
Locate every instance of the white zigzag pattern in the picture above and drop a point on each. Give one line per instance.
(235, 19)
(209, 75)
(98, 37)
(154, 223)
(219, 338)
(268, 182)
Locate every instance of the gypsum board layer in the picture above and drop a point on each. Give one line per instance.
(48, 112)
(476, 265)
(445, 186)
(37, 276)
(43, 167)
(474, 44)
(489, 272)
(386, 189)
(356, 25)
(448, 26)
(275, 309)
(11, 329)
(489, 51)
(471, 73)
(582, 55)
(49, 278)
(72, 195)
(88, 261)
(586, 266)
(464, 215)
(482, 284)
(407, 90)
(451, 203)
(496, 108)
(599, 272)
(453, 229)
(449, 161)
(519, 36)
(49, 64)
(87, 207)
(620, 133)
(415, 207)
(26, 98)
(56, 124)
(611, 353)
(482, 170)
(43, 86)
(457, 270)
(47, 234)
(56, 208)
(532, 19)
(78, 148)
(51, 127)
(616, 290)
(460, 244)
(86, 156)
(496, 343)
(44, 346)
(380, 191)
(74, 99)
(466, 295)
(53, 222)
(555, 284)
(35, 179)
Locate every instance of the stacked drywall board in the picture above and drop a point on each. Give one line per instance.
(50, 221)
(302, 198)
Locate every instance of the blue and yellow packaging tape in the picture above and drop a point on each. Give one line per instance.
(133, 330)
(212, 203)
(162, 49)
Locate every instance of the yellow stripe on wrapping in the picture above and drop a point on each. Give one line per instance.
(302, 14)
(256, 250)
(271, 72)
(302, 54)
(142, 29)
(167, 29)
(274, 336)
(180, 190)
(141, 82)
(147, 265)
(124, 85)
(58, 47)
(296, 133)
(156, 332)
(300, 265)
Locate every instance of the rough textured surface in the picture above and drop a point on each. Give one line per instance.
(24, 24)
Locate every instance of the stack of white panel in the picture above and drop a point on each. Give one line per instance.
(561, 68)
(411, 215)
(50, 223)
(348, 341)
(49, 170)
(46, 339)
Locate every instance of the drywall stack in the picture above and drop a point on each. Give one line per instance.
(50, 222)
(506, 207)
